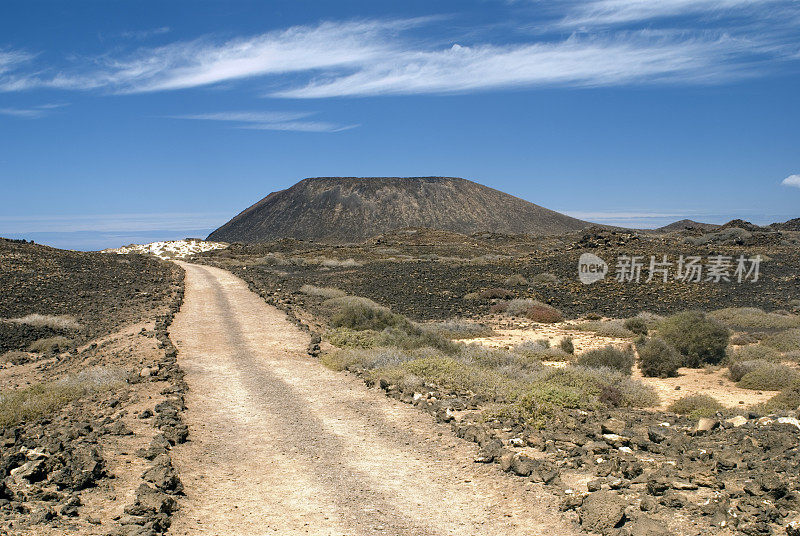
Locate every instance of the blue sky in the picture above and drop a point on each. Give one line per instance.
(134, 121)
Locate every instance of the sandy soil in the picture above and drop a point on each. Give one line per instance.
(712, 381)
(281, 445)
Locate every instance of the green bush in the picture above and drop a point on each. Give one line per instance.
(544, 401)
(636, 326)
(567, 345)
(787, 400)
(785, 341)
(698, 338)
(769, 377)
(539, 351)
(610, 357)
(756, 352)
(361, 314)
(738, 369)
(742, 339)
(592, 383)
(51, 345)
(696, 406)
(657, 359)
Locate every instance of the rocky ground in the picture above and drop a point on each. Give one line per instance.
(100, 292)
(643, 473)
(426, 274)
(87, 432)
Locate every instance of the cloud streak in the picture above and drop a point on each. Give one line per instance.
(792, 180)
(612, 12)
(282, 121)
(30, 113)
(386, 57)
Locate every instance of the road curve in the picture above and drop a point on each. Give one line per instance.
(281, 445)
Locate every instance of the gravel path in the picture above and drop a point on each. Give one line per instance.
(281, 445)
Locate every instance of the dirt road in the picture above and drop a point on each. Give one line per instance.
(281, 445)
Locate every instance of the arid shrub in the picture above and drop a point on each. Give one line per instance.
(531, 309)
(785, 341)
(544, 314)
(769, 377)
(322, 292)
(57, 322)
(755, 352)
(695, 406)
(567, 345)
(738, 369)
(15, 358)
(751, 318)
(544, 401)
(698, 338)
(336, 263)
(609, 357)
(361, 313)
(592, 316)
(592, 382)
(787, 399)
(495, 294)
(41, 400)
(515, 280)
(741, 339)
(541, 351)
(657, 359)
(51, 345)
(544, 280)
(636, 326)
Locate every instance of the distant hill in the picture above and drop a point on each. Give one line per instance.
(349, 209)
(791, 225)
(682, 225)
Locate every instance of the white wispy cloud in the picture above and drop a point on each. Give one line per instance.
(284, 121)
(577, 61)
(385, 57)
(792, 180)
(34, 112)
(611, 12)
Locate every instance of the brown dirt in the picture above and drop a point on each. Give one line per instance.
(282, 445)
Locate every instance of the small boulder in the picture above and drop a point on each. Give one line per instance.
(602, 511)
(613, 426)
(704, 425)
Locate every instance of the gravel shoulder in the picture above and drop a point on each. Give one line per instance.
(282, 445)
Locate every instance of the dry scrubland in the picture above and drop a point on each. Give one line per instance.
(90, 393)
(605, 394)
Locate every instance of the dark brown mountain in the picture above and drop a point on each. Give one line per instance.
(791, 225)
(351, 209)
(683, 225)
